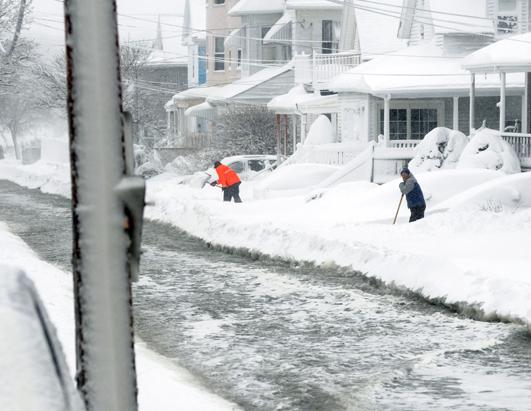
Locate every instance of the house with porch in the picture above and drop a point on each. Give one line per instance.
(397, 98)
(361, 33)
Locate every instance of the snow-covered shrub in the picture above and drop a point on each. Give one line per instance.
(321, 132)
(439, 150)
(488, 150)
(246, 129)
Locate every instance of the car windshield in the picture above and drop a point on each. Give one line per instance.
(256, 165)
(237, 166)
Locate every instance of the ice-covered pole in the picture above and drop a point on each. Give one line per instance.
(102, 288)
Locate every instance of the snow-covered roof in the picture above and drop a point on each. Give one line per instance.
(378, 29)
(166, 58)
(461, 16)
(204, 110)
(245, 84)
(190, 95)
(245, 7)
(512, 54)
(320, 104)
(313, 4)
(287, 103)
(416, 71)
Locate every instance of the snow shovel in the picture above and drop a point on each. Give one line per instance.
(398, 209)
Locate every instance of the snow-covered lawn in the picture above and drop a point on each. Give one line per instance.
(471, 251)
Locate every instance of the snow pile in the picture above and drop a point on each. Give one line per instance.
(440, 149)
(380, 203)
(321, 132)
(488, 150)
(162, 386)
(503, 194)
(52, 178)
(293, 179)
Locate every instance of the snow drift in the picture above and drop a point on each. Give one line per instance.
(293, 179)
(321, 132)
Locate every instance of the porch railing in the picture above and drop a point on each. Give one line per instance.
(403, 143)
(328, 66)
(522, 145)
(333, 154)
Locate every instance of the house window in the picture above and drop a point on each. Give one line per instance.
(507, 19)
(219, 1)
(330, 36)
(422, 122)
(219, 54)
(268, 50)
(239, 60)
(410, 123)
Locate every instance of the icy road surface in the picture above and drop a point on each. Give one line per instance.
(271, 336)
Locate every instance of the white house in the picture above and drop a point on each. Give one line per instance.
(405, 94)
(367, 31)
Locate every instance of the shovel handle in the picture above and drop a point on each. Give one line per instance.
(398, 209)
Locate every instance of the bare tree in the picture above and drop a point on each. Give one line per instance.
(12, 14)
(19, 91)
(52, 82)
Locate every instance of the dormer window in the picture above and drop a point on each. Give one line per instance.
(508, 16)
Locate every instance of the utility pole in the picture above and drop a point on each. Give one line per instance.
(107, 207)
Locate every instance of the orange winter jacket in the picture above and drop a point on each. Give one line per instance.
(227, 176)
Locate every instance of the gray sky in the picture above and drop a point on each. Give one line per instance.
(47, 26)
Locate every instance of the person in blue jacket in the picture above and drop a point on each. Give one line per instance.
(414, 196)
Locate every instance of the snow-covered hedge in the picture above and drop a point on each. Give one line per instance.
(488, 150)
(440, 149)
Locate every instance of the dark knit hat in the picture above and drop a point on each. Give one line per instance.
(405, 170)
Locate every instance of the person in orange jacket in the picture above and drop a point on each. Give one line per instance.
(229, 182)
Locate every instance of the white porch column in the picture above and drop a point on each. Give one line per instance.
(168, 122)
(387, 119)
(294, 131)
(456, 113)
(525, 106)
(503, 83)
(303, 128)
(472, 114)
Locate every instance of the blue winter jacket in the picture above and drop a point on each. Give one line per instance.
(413, 192)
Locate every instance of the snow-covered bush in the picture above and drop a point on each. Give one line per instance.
(488, 150)
(321, 132)
(439, 150)
(246, 129)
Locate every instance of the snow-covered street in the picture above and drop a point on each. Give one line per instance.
(45, 225)
(208, 310)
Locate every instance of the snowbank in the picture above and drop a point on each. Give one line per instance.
(321, 132)
(489, 151)
(52, 178)
(440, 149)
(293, 179)
(474, 259)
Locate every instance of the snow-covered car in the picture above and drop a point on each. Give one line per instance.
(247, 166)
(34, 371)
